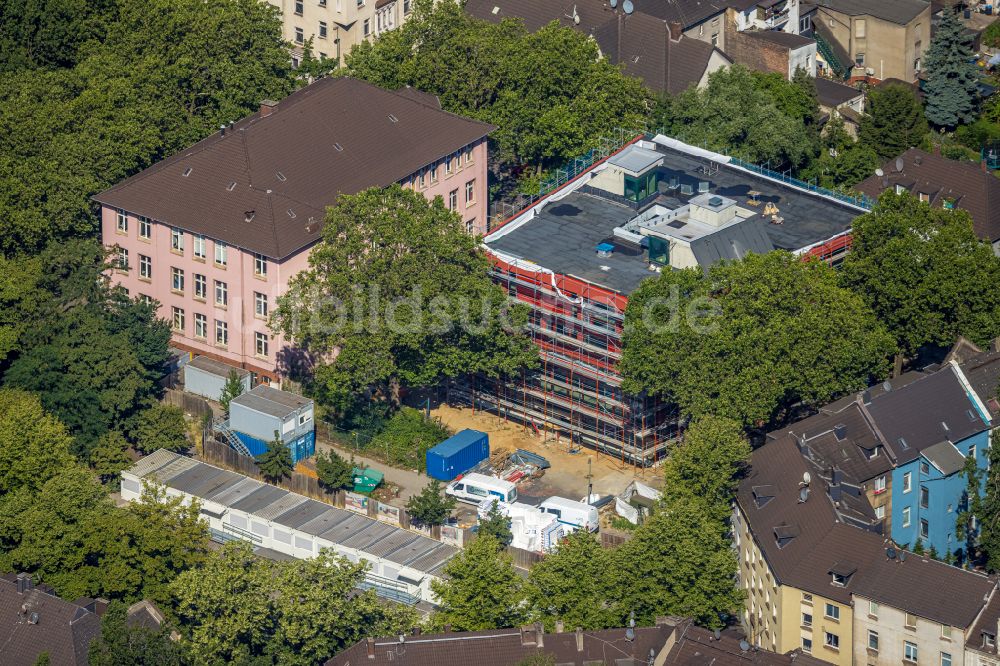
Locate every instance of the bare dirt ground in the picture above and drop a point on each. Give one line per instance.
(568, 475)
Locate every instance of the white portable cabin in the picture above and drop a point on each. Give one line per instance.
(530, 527)
(474, 488)
(576, 515)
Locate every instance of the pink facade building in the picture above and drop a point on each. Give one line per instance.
(215, 232)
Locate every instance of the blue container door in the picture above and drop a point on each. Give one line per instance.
(303, 447)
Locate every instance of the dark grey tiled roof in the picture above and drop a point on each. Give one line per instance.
(895, 11)
(286, 168)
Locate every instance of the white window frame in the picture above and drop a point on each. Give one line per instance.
(176, 279)
(911, 652)
(145, 267)
(907, 482)
(259, 265)
(122, 221)
(200, 326)
(177, 240)
(906, 516)
(835, 614)
(221, 333)
(122, 259)
(145, 228)
(200, 286)
(199, 246)
(221, 253)
(872, 638)
(470, 192)
(221, 293)
(177, 318)
(260, 306)
(261, 344)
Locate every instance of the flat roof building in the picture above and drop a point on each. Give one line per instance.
(402, 563)
(576, 255)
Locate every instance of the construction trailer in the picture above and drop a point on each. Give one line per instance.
(207, 377)
(255, 417)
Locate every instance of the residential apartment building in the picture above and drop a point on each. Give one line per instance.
(215, 232)
(981, 643)
(817, 581)
(903, 445)
(944, 183)
(336, 26)
(860, 39)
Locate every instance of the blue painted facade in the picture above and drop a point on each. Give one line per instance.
(926, 501)
(301, 447)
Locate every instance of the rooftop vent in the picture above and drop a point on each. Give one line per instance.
(715, 202)
(338, 147)
(676, 224)
(33, 618)
(703, 186)
(311, 225)
(280, 176)
(840, 431)
(605, 249)
(393, 119)
(902, 443)
(187, 172)
(231, 186)
(496, 10)
(291, 213)
(249, 215)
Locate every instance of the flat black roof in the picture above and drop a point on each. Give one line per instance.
(563, 237)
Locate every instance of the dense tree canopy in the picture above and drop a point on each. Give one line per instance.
(124, 644)
(758, 117)
(481, 590)
(241, 609)
(404, 295)
(751, 339)
(574, 584)
(91, 354)
(893, 120)
(952, 86)
(430, 506)
(924, 273)
(34, 445)
(155, 76)
(549, 94)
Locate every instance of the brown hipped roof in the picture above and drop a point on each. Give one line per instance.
(822, 544)
(265, 185)
(972, 189)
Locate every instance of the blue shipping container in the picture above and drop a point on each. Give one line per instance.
(457, 454)
(301, 447)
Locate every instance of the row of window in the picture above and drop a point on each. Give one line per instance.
(199, 242)
(450, 165)
(300, 5)
(179, 324)
(385, 22)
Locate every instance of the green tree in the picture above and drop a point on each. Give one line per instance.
(125, 83)
(333, 471)
(893, 120)
(951, 89)
(923, 272)
(34, 445)
(751, 340)
(231, 389)
(495, 524)
(406, 437)
(161, 427)
(224, 608)
(276, 462)
(991, 35)
(124, 644)
(410, 325)
(707, 465)
(549, 93)
(431, 506)
(679, 562)
(982, 501)
(243, 609)
(93, 355)
(760, 118)
(18, 279)
(538, 659)
(480, 590)
(573, 584)
(110, 456)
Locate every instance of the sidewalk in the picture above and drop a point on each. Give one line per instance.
(410, 482)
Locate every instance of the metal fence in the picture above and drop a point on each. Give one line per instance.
(859, 200)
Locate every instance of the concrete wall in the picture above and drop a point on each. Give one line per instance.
(932, 640)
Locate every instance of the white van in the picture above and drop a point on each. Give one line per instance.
(574, 514)
(474, 488)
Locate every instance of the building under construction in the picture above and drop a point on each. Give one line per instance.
(576, 255)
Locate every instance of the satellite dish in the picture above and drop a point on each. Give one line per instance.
(902, 556)
(744, 645)
(899, 164)
(627, 6)
(614, 3)
(879, 172)
(806, 478)
(803, 495)
(890, 552)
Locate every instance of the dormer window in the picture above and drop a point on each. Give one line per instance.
(873, 453)
(839, 580)
(783, 534)
(762, 495)
(841, 572)
(989, 640)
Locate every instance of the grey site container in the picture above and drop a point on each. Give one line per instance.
(206, 377)
(263, 410)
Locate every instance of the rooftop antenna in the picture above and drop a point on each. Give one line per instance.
(627, 6)
(630, 631)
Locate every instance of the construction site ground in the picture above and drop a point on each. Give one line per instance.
(567, 476)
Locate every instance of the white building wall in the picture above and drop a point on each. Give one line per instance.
(931, 638)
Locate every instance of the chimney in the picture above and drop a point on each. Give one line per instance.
(560, 626)
(371, 648)
(267, 108)
(579, 639)
(528, 636)
(539, 635)
(415, 631)
(24, 583)
(676, 30)
(937, 149)
(222, 129)
(982, 165)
